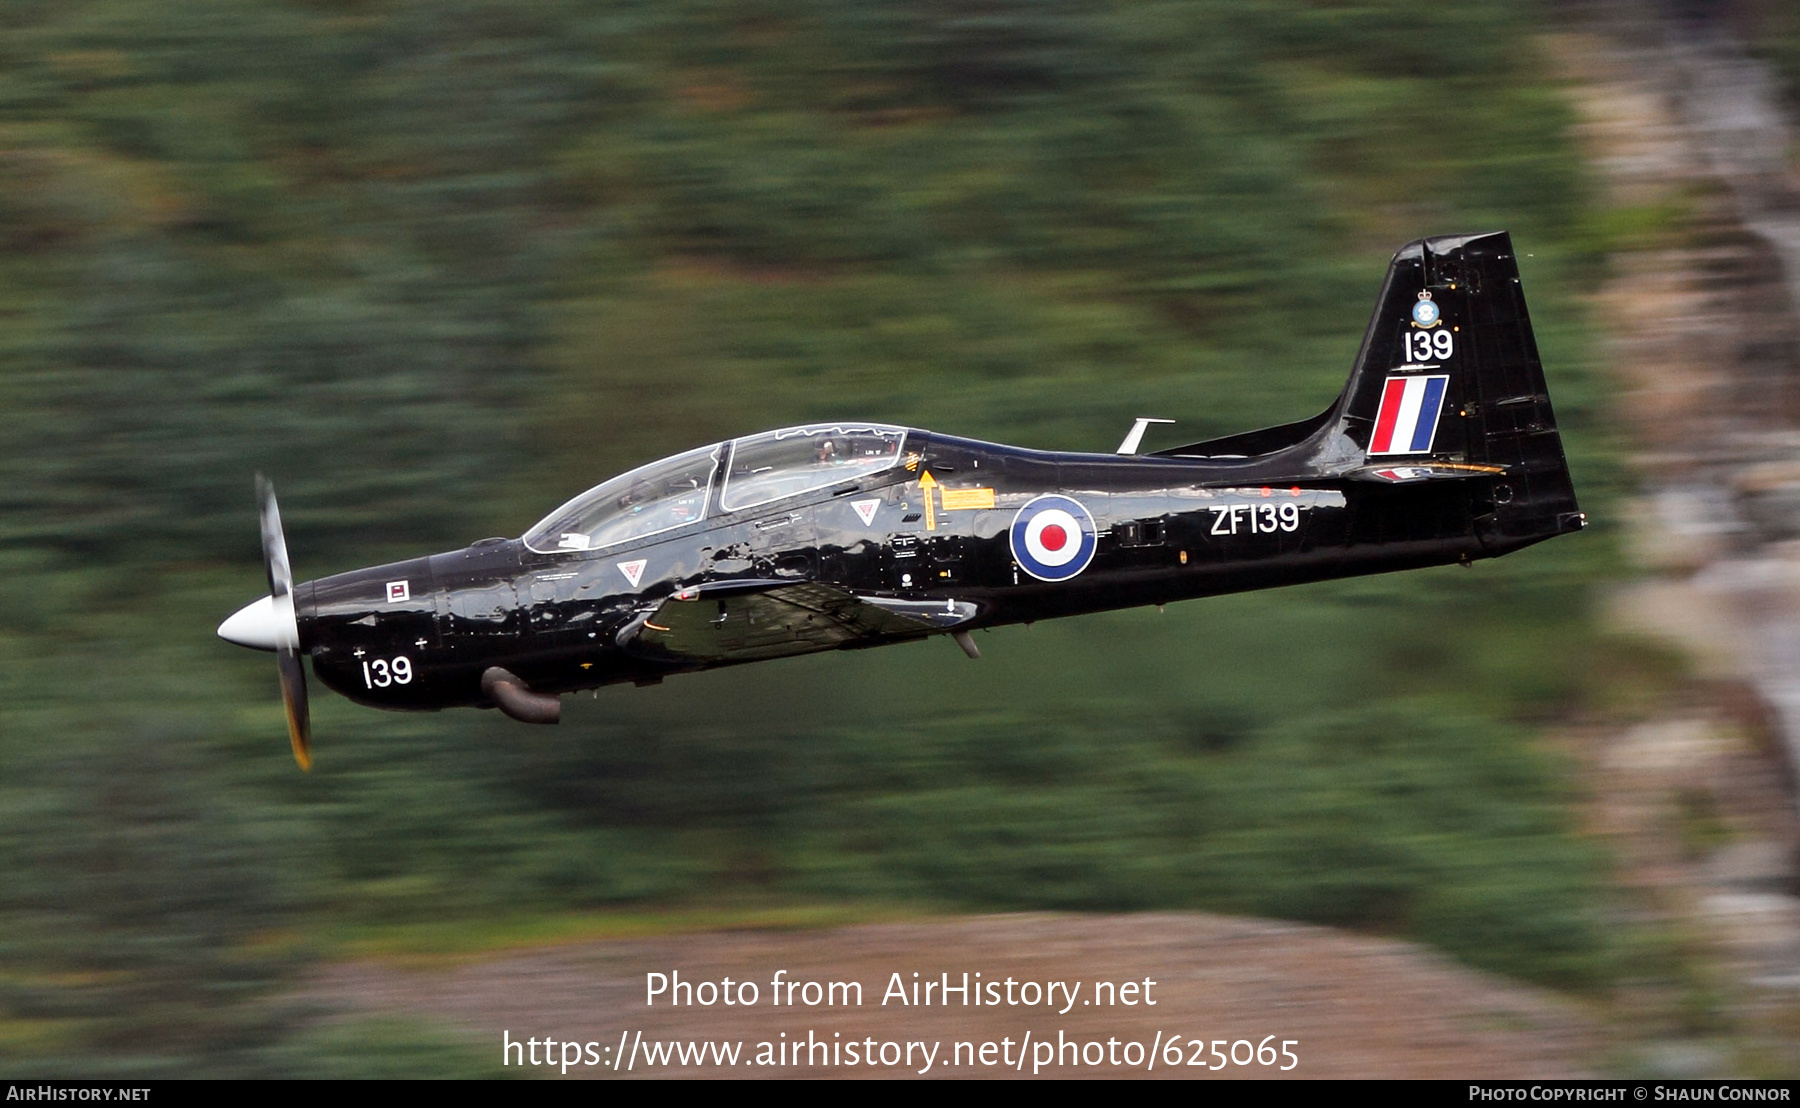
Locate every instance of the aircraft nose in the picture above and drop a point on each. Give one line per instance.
(254, 625)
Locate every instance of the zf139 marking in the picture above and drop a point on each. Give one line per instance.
(1257, 519)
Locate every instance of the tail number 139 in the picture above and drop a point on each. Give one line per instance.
(1428, 346)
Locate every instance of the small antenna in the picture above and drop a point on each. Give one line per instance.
(1136, 434)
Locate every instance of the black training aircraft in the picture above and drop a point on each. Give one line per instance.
(1442, 448)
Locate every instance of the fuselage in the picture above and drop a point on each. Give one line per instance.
(950, 521)
(1442, 447)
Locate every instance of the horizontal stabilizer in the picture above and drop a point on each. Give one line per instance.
(1436, 471)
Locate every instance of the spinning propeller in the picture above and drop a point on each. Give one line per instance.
(269, 624)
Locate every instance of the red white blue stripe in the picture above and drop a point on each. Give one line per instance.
(1408, 417)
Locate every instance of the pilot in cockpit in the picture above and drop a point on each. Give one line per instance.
(648, 512)
(634, 498)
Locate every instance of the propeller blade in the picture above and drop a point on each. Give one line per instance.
(293, 698)
(287, 637)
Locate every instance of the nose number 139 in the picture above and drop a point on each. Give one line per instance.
(381, 673)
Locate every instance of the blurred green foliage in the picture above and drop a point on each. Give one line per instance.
(436, 266)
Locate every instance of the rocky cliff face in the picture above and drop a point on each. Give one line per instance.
(1699, 318)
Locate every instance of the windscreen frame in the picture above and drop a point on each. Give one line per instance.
(808, 431)
(622, 483)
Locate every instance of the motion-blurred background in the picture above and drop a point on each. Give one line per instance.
(437, 266)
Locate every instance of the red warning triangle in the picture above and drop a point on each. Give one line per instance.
(633, 571)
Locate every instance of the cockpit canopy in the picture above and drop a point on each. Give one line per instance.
(756, 470)
(779, 464)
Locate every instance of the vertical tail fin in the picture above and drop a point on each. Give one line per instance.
(1449, 375)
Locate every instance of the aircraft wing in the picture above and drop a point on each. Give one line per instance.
(743, 621)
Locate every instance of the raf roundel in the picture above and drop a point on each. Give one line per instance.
(1053, 538)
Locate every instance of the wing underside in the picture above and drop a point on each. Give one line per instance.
(751, 621)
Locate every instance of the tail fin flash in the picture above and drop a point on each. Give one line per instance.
(1449, 379)
(1408, 414)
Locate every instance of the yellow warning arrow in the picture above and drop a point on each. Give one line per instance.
(926, 484)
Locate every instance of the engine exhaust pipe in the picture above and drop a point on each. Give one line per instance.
(516, 699)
